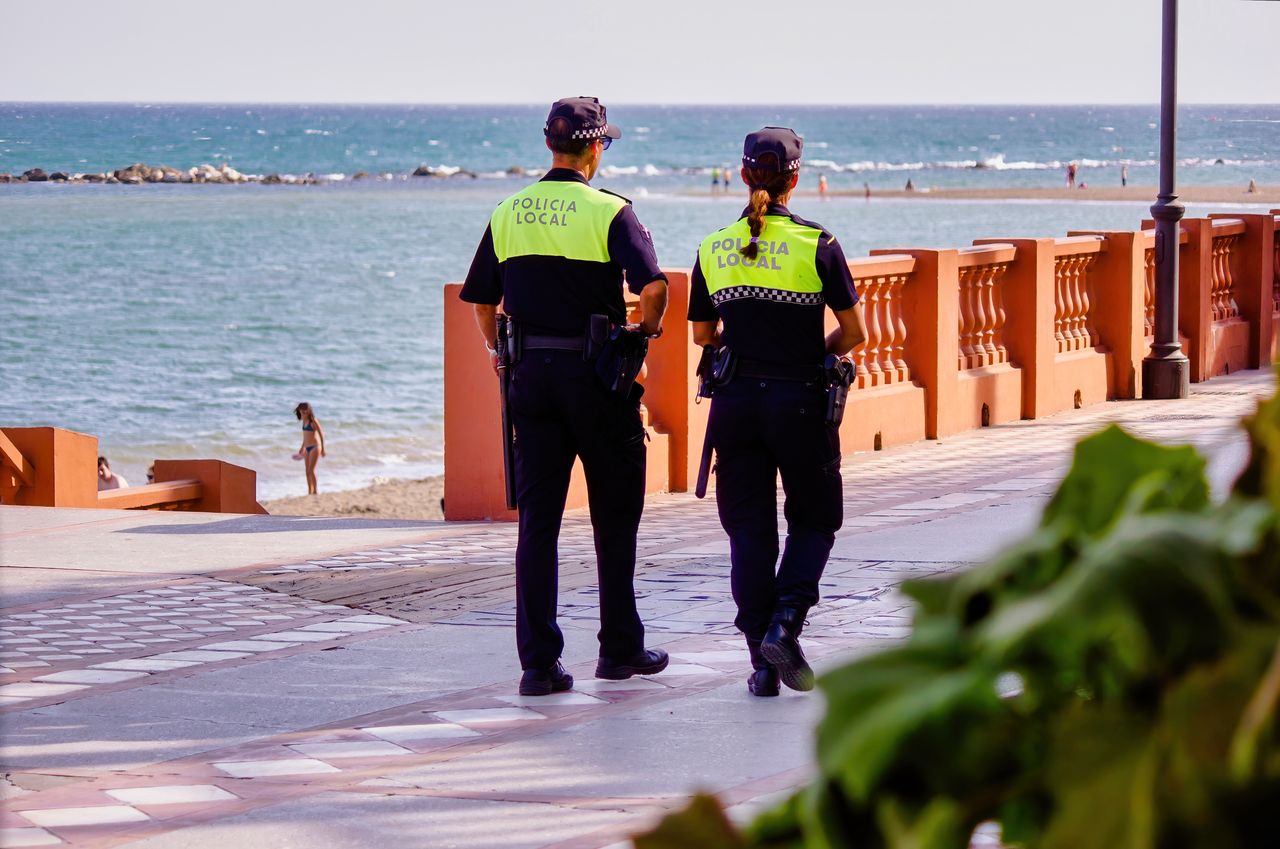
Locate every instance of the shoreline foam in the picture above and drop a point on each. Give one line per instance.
(1146, 194)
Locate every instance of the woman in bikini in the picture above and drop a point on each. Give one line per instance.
(312, 443)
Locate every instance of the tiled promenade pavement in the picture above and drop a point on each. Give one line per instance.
(183, 680)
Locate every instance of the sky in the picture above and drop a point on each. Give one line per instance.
(644, 51)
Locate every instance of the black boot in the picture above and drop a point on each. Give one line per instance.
(781, 647)
(764, 680)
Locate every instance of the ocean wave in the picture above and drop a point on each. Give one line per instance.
(997, 162)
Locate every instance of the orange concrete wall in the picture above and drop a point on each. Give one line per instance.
(65, 464)
(958, 338)
(225, 487)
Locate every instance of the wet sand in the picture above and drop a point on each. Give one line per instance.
(1147, 194)
(394, 499)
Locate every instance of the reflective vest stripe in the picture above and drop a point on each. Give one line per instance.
(785, 269)
(555, 218)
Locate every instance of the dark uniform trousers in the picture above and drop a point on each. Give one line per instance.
(760, 429)
(560, 411)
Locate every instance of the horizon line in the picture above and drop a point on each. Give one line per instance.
(657, 104)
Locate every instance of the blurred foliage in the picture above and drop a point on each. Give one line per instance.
(1111, 681)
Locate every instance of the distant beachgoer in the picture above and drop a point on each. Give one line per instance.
(151, 473)
(1071, 175)
(715, 178)
(1083, 185)
(312, 443)
(724, 169)
(866, 191)
(822, 186)
(1124, 175)
(1252, 189)
(910, 187)
(108, 479)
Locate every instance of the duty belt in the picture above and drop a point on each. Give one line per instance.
(761, 370)
(552, 343)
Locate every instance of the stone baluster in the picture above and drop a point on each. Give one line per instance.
(965, 324)
(870, 314)
(997, 299)
(888, 328)
(1087, 336)
(1149, 295)
(898, 353)
(1222, 253)
(1275, 278)
(1059, 303)
(978, 293)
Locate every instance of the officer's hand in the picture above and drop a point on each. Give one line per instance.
(493, 361)
(640, 328)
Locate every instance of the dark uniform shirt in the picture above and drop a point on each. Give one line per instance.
(555, 295)
(772, 330)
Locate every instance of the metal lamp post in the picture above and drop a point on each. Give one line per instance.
(1166, 371)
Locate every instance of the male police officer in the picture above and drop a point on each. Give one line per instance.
(554, 255)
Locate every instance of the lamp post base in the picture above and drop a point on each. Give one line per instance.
(1166, 377)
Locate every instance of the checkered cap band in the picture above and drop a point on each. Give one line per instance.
(598, 132)
(782, 296)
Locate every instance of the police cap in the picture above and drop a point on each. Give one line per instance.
(782, 142)
(585, 117)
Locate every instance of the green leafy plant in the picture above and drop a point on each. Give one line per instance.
(1111, 681)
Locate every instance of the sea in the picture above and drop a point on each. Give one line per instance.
(188, 320)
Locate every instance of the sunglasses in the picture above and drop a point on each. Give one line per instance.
(605, 141)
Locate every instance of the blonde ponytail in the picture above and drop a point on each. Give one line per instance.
(759, 205)
(767, 186)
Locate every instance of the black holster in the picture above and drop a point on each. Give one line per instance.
(618, 354)
(840, 373)
(716, 368)
(509, 337)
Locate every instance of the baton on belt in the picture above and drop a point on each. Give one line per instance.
(706, 384)
(502, 346)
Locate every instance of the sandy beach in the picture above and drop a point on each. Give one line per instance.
(393, 499)
(1188, 194)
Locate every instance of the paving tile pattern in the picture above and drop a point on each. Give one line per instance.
(53, 652)
(165, 616)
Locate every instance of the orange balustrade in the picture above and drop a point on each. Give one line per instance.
(1074, 256)
(1242, 298)
(1149, 287)
(1222, 295)
(886, 405)
(1123, 305)
(982, 314)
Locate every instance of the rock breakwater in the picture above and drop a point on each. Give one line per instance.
(140, 173)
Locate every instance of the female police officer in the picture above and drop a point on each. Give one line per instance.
(758, 293)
